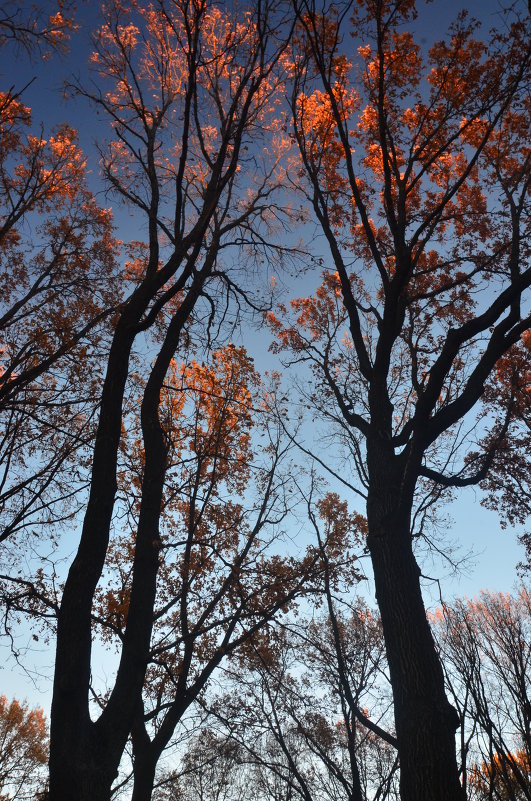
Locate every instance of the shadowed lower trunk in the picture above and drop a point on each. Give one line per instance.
(90, 771)
(83, 763)
(144, 779)
(425, 720)
(144, 758)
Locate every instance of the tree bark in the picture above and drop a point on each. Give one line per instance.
(425, 720)
(90, 770)
(77, 758)
(144, 778)
(84, 756)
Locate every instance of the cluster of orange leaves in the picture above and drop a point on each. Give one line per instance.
(427, 143)
(149, 64)
(208, 412)
(23, 746)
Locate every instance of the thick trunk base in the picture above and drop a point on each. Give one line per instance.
(425, 720)
(72, 786)
(82, 770)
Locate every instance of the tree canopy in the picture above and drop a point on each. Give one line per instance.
(188, 485)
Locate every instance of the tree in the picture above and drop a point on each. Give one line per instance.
(308, 724)
(486, 656)
(23, 750)
(59, 283)
(506, 486)
(417, 169)
(281, 724)
(64, 285)
(189, 91)
(221, 579)
(306, 705)
(211, 769)
(41, 31)
(59, 286)
(508, 783)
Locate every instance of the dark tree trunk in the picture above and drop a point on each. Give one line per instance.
(84, 756)
(75, 753)
(144, 759)
(425, 720)
(144, 778)
(90, 771)
(147, 752)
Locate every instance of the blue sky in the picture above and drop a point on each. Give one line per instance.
(474, 528)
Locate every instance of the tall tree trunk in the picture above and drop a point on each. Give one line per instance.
(425, 720)
(104, 741)
(73, 748)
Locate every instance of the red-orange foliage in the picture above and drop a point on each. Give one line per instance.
(417, 165)
(191, 94)
(502, 779)
(23, 750)
(221, 581)
(37, 30)
(58, 277)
